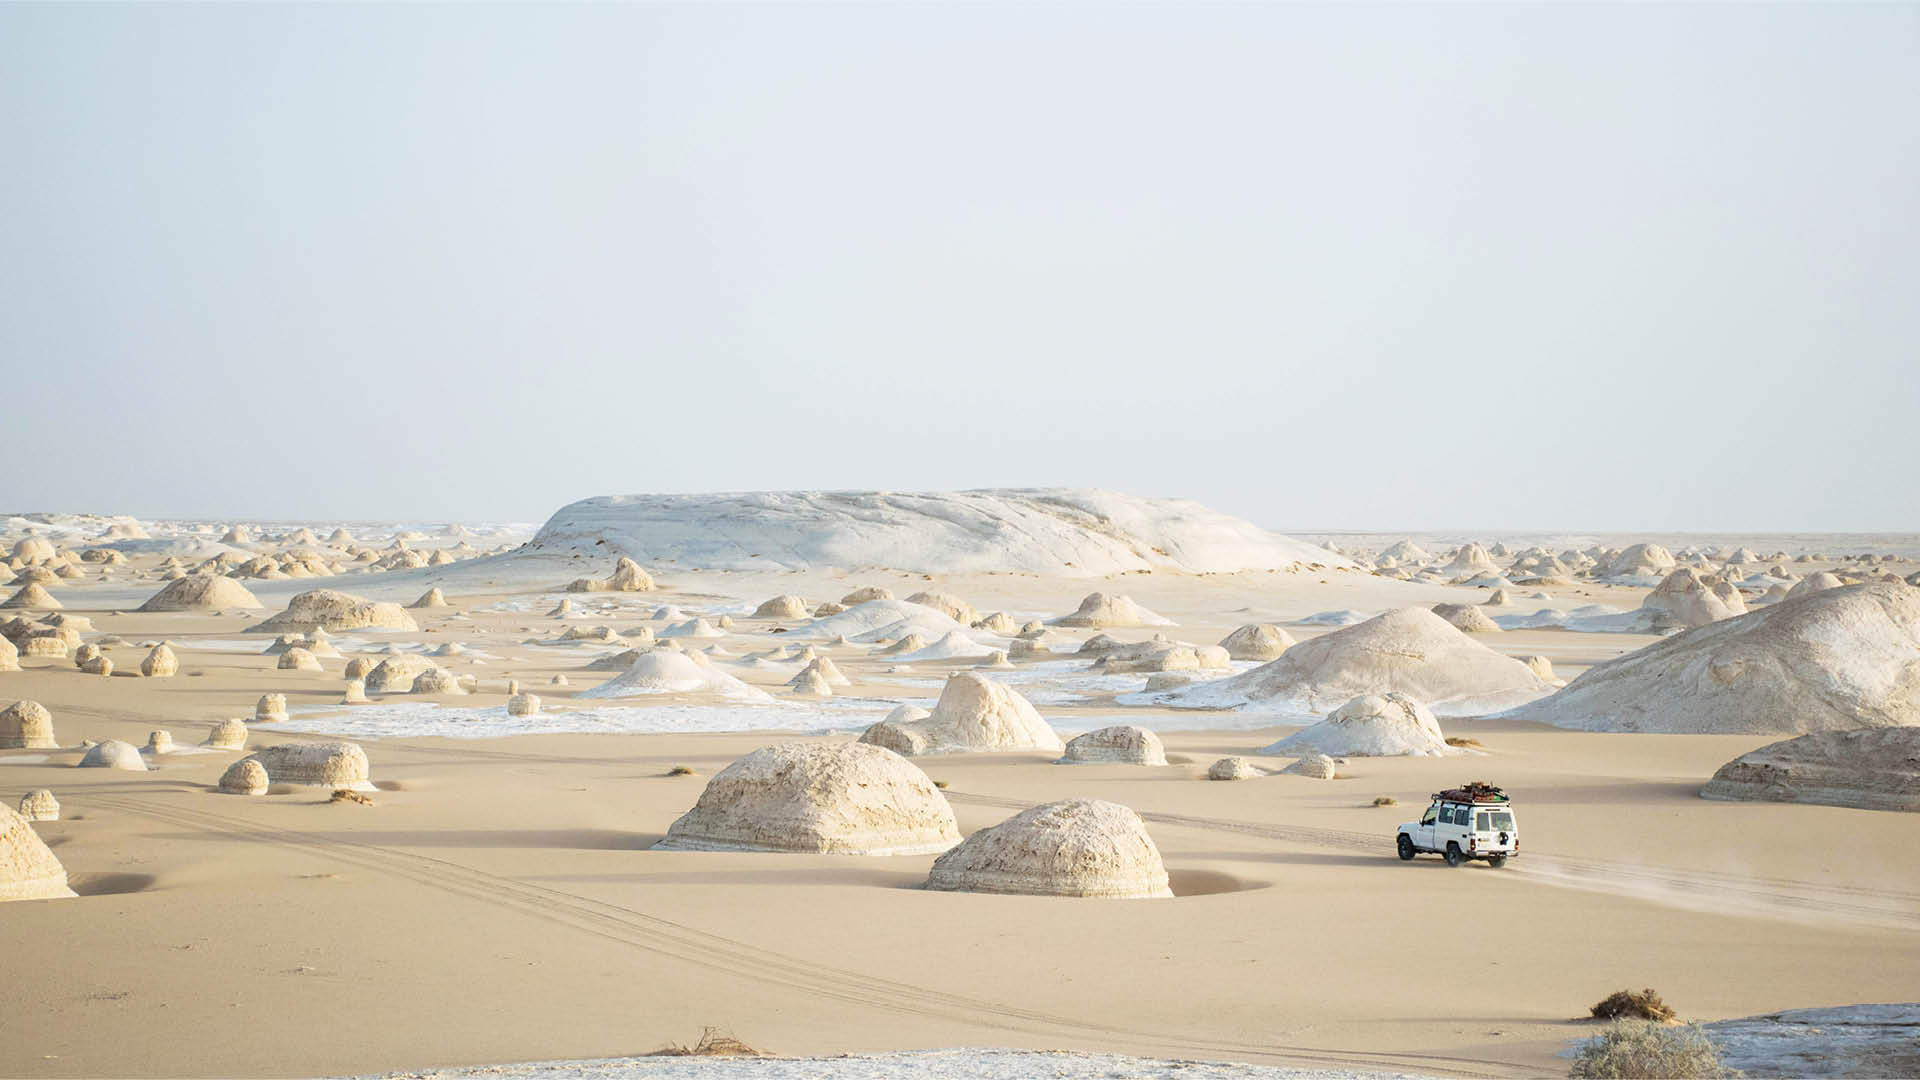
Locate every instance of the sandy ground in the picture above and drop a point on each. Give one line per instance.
(499, 903)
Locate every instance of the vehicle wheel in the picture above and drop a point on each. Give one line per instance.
(1496, 861)
(1406, 848)
(1454, 855)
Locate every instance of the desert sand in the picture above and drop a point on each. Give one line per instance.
(502, 899)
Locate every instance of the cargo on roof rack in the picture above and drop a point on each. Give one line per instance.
(1476, 792)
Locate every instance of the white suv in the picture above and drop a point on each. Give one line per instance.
(1473, 822)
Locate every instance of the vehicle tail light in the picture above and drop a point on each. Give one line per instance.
(1473, 843)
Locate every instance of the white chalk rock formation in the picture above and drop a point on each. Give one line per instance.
(810, 683)
(397, 674)
(28, 869)
(975, 714)
(39, 805)
(1055, 533)
(323, 764)
(875, 620)
(1104, 609)
(1638, 561)
(1314, 766)
(32, 595)
(432, 598)
(1257, 641)
(1467, 618)
(1373, 725)
(1826, 661)
(523, 705)
(245, 777)
(825, 798)
(1233, 768)
(1470, 559)
(335, 612)
(201, 592)
(228, 734)
(1121, 744)
(160, 663)
(782, 607)
(1686, 599)
(1870, 769)
(961, 612)
(159, 742)
(27, 725)
(1410, 651)
(862, 595)
(33, 549)
(1077, 847)
(664, 671)
(693, 628)
(270, 709)
(355, 692)
(627, 576)
(298, 658)
(1814, 582)
(9, 655)
(1540, 666)
(113, 754)
(437, 680)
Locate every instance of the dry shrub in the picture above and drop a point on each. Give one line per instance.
(1465, 743)
(349, 795)
(941, 784)
(1642, 1048)
(1385, 800)
(713, 1043)
(1635, 1005)
(680, 770)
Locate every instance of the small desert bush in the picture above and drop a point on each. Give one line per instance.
(1635, 1005)
(1646, 1050)
(349, 795)
(1385, 800)
(713, 1043)
(1464, 743)
(941, 784)
(680, 770)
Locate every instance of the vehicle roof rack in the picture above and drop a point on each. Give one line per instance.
(1478, 791)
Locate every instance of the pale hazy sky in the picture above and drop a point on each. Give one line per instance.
(1599, 267)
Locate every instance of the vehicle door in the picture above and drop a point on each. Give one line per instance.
(1423, 832)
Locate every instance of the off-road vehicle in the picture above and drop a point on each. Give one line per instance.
(1472, 822)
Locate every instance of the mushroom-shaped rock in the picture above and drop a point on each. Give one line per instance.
(270, 709)
(1317, 766)
(298, 658)
(1077, 847)
(1121, 744)
(523, 705)
(201, 592)
(229, 734)
(334, 612)
(1410, 651)
(327, 764)
(432, 598)
(1830, 660)
(355, 692)
(159, 742)
(1257, 641)
(39, 805)
(28, 868)
(782, 607)
(1104, 609)
(974, 714)
(113, 754)
(830, 798)
(1467, 618)
(245, 777)
(1233, 768)
(26, 725)
(1372, 725)
(1871, 769)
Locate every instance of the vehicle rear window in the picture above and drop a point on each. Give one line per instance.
(1497, 820)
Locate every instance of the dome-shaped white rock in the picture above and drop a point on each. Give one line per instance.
(1077, 847)
(1121, 744)
(975, 714)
